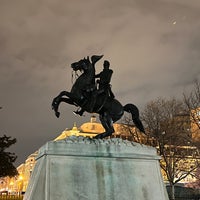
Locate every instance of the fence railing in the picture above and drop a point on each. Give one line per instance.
(11, 197)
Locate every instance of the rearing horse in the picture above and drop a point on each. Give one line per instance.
(110, 110)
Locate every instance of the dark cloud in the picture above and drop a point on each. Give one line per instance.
(153, 47)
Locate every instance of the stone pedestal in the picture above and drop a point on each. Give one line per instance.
(79, 168)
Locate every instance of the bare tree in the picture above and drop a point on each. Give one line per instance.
(195, 184)
(192, 102)
(168, 125)
(7, 159)
(128, 130)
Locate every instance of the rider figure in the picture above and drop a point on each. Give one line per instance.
(104, 80)
(104, 86)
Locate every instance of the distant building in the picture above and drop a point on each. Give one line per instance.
(19, 184)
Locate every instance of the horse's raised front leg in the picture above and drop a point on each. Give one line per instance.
(107, 123)
(55, 105)
(57, 100)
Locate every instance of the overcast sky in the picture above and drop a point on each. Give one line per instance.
(153, 47)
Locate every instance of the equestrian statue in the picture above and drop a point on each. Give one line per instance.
(96, 96)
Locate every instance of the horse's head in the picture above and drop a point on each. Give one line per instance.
(81, 65)
(85, 64)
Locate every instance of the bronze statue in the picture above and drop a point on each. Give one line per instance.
(101, 100)
(103, 87)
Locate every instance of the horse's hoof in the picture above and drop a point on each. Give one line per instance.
(96, 137)
(57, 114)
(99, 136)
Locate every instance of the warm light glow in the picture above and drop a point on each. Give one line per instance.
(11, 183)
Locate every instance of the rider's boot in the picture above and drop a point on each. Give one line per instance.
(111, 93)
(79, 112)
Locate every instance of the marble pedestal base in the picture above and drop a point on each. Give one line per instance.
(79, 168)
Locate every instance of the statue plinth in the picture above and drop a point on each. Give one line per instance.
(90, 169)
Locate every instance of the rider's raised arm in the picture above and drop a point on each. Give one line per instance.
(97, 75)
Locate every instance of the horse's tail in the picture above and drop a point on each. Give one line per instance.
(131, 108)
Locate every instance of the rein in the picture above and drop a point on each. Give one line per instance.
(74, 76)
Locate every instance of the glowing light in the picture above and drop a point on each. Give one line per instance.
(11, 183)
(174, 22)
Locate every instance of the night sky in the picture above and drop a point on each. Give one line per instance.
(153, 47)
